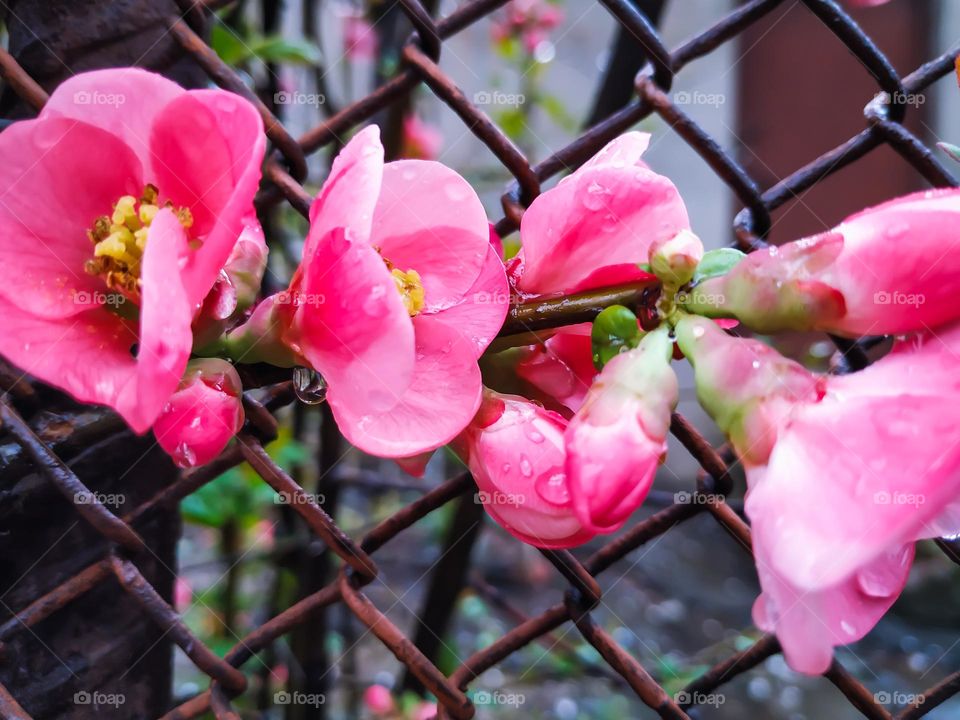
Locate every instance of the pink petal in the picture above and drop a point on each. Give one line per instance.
(610, 470)
(563, 366)
(516, 457)
(479, 315)
(89, 355)
(165, 316)
(892, 466)
(352, 327)
(611, 275)
(809, 624)
(442, 397)
(623, 151)
(206, 147)
(599, 216)
(122, 101)
(430, 220)
(350, 192)
(57, 176)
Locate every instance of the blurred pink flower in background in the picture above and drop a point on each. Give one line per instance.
(182, 594)
(528, 20)
(398, 295)
(359, 37)
(103, 265)
(379, 700)
(421, 141)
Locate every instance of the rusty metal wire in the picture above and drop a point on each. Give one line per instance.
(285, 170)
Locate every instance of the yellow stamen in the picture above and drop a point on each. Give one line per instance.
(410, 287)
(120, 239)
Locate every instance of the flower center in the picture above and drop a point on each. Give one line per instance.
(410, 287)
(119, 239)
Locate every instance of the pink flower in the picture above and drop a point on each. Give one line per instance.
(530, 20)
(399, 293)
(514, 450)
(598, 225)
(201, 417)
(379, 700)
(616, 441)
(421, 141)
(890, 269)
(102, 265)
(182, 594)
(844, 473)
(359, 38)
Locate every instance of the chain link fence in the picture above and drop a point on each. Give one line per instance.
(285, 170)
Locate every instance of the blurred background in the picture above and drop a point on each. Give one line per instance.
(777, 96)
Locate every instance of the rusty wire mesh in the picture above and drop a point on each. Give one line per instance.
(285, 170)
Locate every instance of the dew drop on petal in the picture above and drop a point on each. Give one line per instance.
(552, 487)
(309, 386)
(526, 469)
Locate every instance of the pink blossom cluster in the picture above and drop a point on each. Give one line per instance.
(137, 263)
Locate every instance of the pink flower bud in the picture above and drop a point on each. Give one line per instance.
(514, 449)
(615, 442)
(674, 260)
(887, 270)
(202, 415)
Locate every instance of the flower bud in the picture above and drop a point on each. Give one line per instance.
(616, 441)
(203, 415)
(675, 260)
(514, 450)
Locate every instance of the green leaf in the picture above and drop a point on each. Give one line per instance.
(236, 50)
(614, 330)
(716, 263)
(952, 150)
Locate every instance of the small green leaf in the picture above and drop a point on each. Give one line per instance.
(716, 263)
(614, 330)
(952, 150)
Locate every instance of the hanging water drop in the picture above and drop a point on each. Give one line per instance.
(309, 386)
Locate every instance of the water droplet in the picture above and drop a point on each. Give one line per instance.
(594, 198)
(374, 302)
(535, 436)
(309, 386)
(456, 191)
(505, 468)
(847, 628)
(698, 332)
(526, 469)
(552, 487)
(184, 456)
